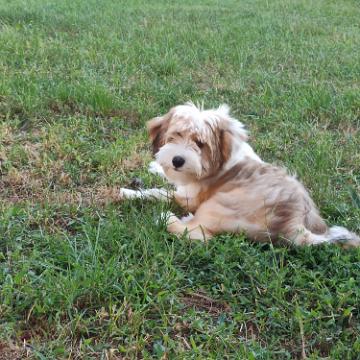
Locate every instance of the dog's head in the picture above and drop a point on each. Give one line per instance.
(192, 144)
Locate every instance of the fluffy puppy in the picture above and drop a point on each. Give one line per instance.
(219, 178)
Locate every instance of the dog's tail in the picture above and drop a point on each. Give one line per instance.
(343, 237)
(335, 235)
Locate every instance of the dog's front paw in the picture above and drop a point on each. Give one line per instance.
(156, 169)
(167, 217)
(127, 193)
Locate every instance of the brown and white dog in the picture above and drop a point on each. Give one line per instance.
(226, 186)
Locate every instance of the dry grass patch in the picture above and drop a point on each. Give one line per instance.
(200, 301)
(9, 351)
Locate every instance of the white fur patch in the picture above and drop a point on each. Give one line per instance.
(338, 233)
(213, 117)
(158, 194)
(156, 169)
(188, 191)
(240, 151)
(192, 165)
(128, 194)
(187, 218)
(164, 217)
(168, 217)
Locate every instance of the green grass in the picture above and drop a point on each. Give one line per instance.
(82, 278)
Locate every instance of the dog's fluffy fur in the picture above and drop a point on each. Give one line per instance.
(227, 186)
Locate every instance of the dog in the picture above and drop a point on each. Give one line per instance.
(225, 185)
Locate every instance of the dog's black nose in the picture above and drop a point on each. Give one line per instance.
(178, 161)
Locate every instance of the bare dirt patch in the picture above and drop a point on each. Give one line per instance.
(69, 107)
(200, 301)
(10, 351)
(133, 162)
(18, 186)
(32, 192)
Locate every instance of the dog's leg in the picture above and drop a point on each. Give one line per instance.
(156, 169)
(193, 228)
(154, 194)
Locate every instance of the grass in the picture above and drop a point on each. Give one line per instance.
(83, 276)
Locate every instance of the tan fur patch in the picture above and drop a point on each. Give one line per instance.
(216, 183)
(225, 145)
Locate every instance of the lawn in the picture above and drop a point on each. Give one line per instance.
(86, 276)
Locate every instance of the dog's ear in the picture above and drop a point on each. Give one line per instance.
(233, 126)
(157, 128)
(232, 131)
(226, 139)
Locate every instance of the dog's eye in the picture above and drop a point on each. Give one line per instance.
(199, 144)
